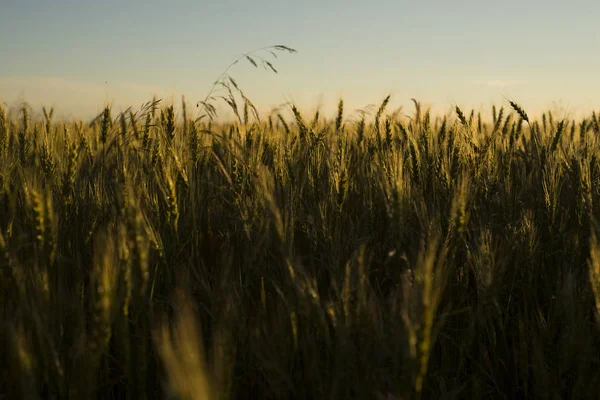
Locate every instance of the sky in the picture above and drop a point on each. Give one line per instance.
(76, 55)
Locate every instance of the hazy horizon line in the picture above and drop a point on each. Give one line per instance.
(67, 95)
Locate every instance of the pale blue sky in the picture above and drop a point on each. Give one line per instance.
(469, 53)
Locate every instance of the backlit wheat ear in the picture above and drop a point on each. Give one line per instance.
(23, 144)
(134, 125)
(4, 132)
(103, 295)
(340, 116)
(498, 120)
(48, 114)
(417, 111)
(303, 129)
(69, 174)
(172, 207)
(105, 126)
(167, 119)
(596, 123)
(184, 116)
(360, 130)
(461, 117)
(284, 124)
(194, 141)
(380, 112)
(519, 111)
(182, 352)
(25, 360)
(558, 135)
(594, 271)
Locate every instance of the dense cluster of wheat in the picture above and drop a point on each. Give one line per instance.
(149, 254)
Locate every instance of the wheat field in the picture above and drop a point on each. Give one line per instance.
(151, 254)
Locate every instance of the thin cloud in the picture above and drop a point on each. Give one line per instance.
(78, 97)
(48, 82)
(500, 83)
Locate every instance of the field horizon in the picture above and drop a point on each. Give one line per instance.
(226, 116)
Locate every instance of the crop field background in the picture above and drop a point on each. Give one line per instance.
(148, 254)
